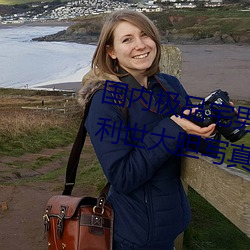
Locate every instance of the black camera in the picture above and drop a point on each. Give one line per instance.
(217, 109)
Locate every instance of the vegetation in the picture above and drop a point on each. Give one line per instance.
(212, 13)
(203, 24)
(231, 26)
(23, 131)
(29, 130)
(210, 230)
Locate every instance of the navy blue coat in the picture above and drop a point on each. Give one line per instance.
(150, 205)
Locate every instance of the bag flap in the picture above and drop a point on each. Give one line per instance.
(68, 203)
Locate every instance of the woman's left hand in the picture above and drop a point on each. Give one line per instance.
(192, 128)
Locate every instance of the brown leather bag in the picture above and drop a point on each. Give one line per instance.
(82, 223)
(78, 223)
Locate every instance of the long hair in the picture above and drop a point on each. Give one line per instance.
(101, 59)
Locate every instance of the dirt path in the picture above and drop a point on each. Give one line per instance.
(21, 225)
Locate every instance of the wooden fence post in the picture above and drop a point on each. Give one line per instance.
(170, 63)
(171, 60)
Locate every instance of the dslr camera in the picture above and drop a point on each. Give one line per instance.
(217, 109)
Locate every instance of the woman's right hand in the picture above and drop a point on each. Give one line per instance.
(192, 128)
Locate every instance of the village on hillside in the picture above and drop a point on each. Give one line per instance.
(63, 11)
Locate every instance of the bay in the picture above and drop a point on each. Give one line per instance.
(27, 64)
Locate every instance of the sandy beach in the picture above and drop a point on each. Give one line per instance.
(206, 68)
(209, 67)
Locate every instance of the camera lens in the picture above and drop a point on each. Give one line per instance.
(237, 134)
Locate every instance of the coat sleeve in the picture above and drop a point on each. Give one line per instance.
(126, 166)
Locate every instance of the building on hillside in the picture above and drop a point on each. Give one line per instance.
(213, 3)
(184, 5)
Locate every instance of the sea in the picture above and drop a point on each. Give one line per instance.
(26, 64)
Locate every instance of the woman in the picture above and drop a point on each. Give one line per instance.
(150, 205)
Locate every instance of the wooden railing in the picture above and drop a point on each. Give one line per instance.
(227, 189)
(66, 109)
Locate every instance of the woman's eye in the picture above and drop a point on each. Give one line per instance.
(126, 40)
(144, 34)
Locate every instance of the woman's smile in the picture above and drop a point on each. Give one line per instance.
(134, 50)
(142, 56)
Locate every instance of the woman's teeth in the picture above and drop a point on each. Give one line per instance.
(141, 56)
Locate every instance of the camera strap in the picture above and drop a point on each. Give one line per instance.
(146, 98)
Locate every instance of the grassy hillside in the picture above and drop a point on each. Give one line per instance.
(216, 26)
(226, 21)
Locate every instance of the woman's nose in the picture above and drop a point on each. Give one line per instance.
(139, 44)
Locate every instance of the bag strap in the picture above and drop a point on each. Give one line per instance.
(75, 154)
(74, 159)
(77, 149)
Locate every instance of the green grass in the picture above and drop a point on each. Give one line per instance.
(221, 13)
(207, 28)
(39, 162)
(90, 176)
(210, 230)
(229, 151)
(203, 24)
(229, 24)
(51, 176)
(32, 143)
(91, 173)
(29, 131)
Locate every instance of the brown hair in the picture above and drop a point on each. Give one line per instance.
(103, 61)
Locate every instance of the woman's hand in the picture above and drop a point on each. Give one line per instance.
(192, 128)
(236, 111)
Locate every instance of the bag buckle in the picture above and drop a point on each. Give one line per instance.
(95, 212)
(59, 224)
(46, 221)
(96, 221)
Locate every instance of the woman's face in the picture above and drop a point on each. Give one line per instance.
(134, 50)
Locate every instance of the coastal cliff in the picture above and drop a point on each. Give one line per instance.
(173, 28)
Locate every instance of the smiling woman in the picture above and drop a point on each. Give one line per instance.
(138, 148)
(134, 50)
